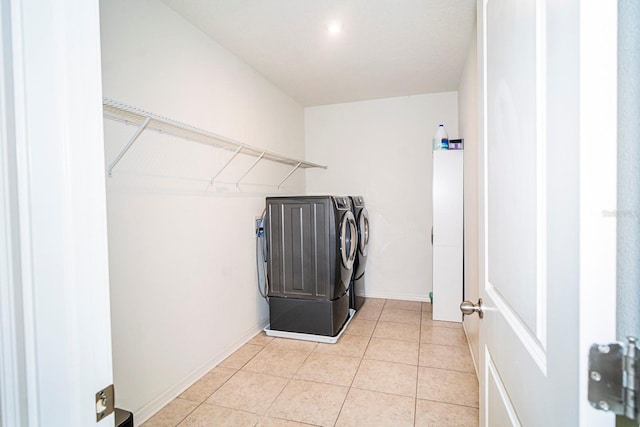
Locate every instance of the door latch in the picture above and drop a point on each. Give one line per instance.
(105, 402)
(614, 378)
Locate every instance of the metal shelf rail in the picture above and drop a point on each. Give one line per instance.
(145, 120)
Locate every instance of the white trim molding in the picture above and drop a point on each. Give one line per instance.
(18, 401)
(54, 284)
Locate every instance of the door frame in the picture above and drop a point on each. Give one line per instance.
(54, 283)
(598, 187)
(16, 324)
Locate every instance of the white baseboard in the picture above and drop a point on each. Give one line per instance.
(148, 410)
(398, 296)
(475, 362)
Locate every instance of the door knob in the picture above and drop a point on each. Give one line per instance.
(467, 308)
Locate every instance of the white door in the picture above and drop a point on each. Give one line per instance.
(547, 273)
(54, 283)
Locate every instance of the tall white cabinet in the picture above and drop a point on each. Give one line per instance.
(447, 234)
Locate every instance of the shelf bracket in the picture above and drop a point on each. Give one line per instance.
(129, 144)
(295, 168)
(233, 156)
(251, 167)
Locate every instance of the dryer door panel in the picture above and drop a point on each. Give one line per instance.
(348, 240)
(298, 238)
(363, 232)
(363, 244)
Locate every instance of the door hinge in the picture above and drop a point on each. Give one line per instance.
(105, 402)
(614, 378)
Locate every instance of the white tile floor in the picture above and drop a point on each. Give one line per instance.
(393, 366)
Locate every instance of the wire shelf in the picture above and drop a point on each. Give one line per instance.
(145, 120)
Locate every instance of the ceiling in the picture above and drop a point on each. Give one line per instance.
(386, 48)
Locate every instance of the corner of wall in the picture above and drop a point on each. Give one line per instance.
(468, 121)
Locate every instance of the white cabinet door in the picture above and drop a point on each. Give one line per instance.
(447, 234)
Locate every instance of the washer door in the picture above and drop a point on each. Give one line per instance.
(348, 240)
(363, 232)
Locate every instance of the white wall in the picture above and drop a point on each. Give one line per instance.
(182, 265)
(468, 123)
(381, 150)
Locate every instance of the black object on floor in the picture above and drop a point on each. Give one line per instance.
(123, 418)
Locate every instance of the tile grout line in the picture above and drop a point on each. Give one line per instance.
(285, 386)
(415, 403)
(360, 363)
(445, 369)
(184, 418)
(220, 386)
(289, 379)
(288, 382)
(206, 398)
(451, 403)
(350, 387)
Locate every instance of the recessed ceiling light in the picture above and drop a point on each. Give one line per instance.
(334, 27)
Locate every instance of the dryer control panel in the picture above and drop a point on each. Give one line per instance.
(358, 201)
(342, 202)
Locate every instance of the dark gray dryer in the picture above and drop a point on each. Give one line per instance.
(311, 248)
(356, 288)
